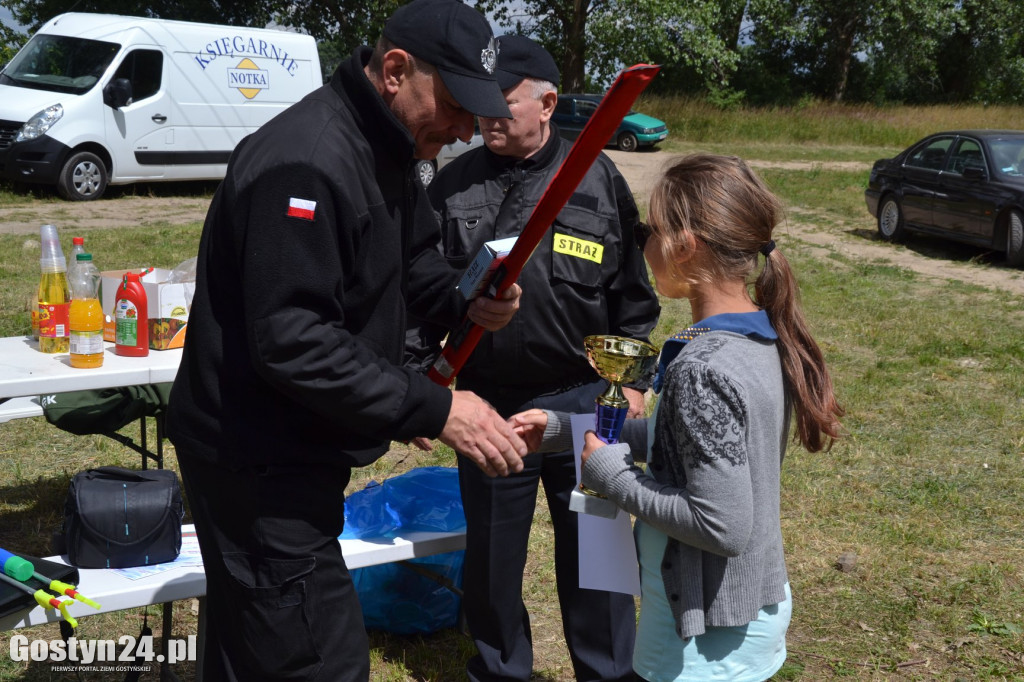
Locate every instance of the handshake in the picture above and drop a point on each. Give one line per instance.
(497, 447)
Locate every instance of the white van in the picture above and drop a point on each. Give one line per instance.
(98, 99)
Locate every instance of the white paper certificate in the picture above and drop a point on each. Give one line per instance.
(607, 551)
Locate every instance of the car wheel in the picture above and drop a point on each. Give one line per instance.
(83, 178)
(890, 219)
(1015, 239)
(426, 171)
(627, 142)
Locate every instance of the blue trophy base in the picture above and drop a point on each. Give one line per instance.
(609, 421)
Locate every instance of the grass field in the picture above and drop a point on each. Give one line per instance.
(922, 495)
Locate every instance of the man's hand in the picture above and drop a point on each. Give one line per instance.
(494, 313)
(637, 402)
(475, 430)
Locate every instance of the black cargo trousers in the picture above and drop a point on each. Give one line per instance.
(280, 602)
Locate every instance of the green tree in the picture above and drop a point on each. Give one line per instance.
(768, 51)
(10, 42)
(945, 51)
(812, 42)
(339, 26)
(904, 56)
(34, 13)
(982, 58)
(591, 40)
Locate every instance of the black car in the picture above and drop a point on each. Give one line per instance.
(965, 185)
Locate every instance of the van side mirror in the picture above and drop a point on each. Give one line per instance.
(118, 93)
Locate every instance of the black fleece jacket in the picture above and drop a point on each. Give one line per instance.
(296, 329)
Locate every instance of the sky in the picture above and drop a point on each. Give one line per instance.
(7, 18)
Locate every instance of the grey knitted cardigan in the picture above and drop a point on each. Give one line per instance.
(712, 484)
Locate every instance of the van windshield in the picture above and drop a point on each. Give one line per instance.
(59, 63)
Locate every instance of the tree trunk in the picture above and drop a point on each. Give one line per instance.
(843, 55)
(732, 22)
(574, 57)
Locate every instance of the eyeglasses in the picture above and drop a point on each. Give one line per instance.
(641, 233)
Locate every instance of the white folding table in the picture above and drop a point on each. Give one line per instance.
(24, 371)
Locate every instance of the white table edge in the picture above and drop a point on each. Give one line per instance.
(115, 592)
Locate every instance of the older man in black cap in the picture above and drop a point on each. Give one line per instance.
(315, 245)
(586, 277)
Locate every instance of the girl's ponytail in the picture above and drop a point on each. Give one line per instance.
(803, 364)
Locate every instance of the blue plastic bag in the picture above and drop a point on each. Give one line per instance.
(423, 499)
(419, 595)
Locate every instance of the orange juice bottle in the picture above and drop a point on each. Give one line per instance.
(86, 315)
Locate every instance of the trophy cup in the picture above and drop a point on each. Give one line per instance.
(619, 360)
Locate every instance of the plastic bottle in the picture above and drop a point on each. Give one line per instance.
(54, 296)
(131, 317)
(77, 247)
(86, 315)
(32, 305)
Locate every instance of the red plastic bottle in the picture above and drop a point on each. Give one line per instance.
(131, 317)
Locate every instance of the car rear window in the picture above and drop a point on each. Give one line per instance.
(930, 155)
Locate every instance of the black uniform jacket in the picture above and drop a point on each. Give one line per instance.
(315, 244)
(587, 275)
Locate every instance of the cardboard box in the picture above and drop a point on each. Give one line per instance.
(480, 272)
(166, 306)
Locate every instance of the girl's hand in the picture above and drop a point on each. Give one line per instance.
(530, 426)
(590, 444)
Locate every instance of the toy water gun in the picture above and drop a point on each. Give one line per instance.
(42, 598)
(17, 571)
(64, 588)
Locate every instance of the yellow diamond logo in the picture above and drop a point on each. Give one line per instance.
(248, 78)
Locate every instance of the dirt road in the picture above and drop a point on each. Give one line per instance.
(856, 240)
(641, 170)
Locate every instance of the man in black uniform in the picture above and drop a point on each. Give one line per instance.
(316, 244)
(586, 277)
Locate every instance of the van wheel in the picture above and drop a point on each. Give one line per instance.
(83, 178)
(425, 171)
(628, 142)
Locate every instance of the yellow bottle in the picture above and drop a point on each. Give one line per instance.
(85, 315)
(53, 312)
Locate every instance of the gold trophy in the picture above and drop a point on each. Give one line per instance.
(618, 360)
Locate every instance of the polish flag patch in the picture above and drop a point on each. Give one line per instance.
(301, 208)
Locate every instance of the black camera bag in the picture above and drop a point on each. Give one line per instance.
(118, 518)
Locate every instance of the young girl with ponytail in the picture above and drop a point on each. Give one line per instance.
(715, 601)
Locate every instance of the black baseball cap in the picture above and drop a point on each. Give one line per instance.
(519, 58)
(457, 40)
